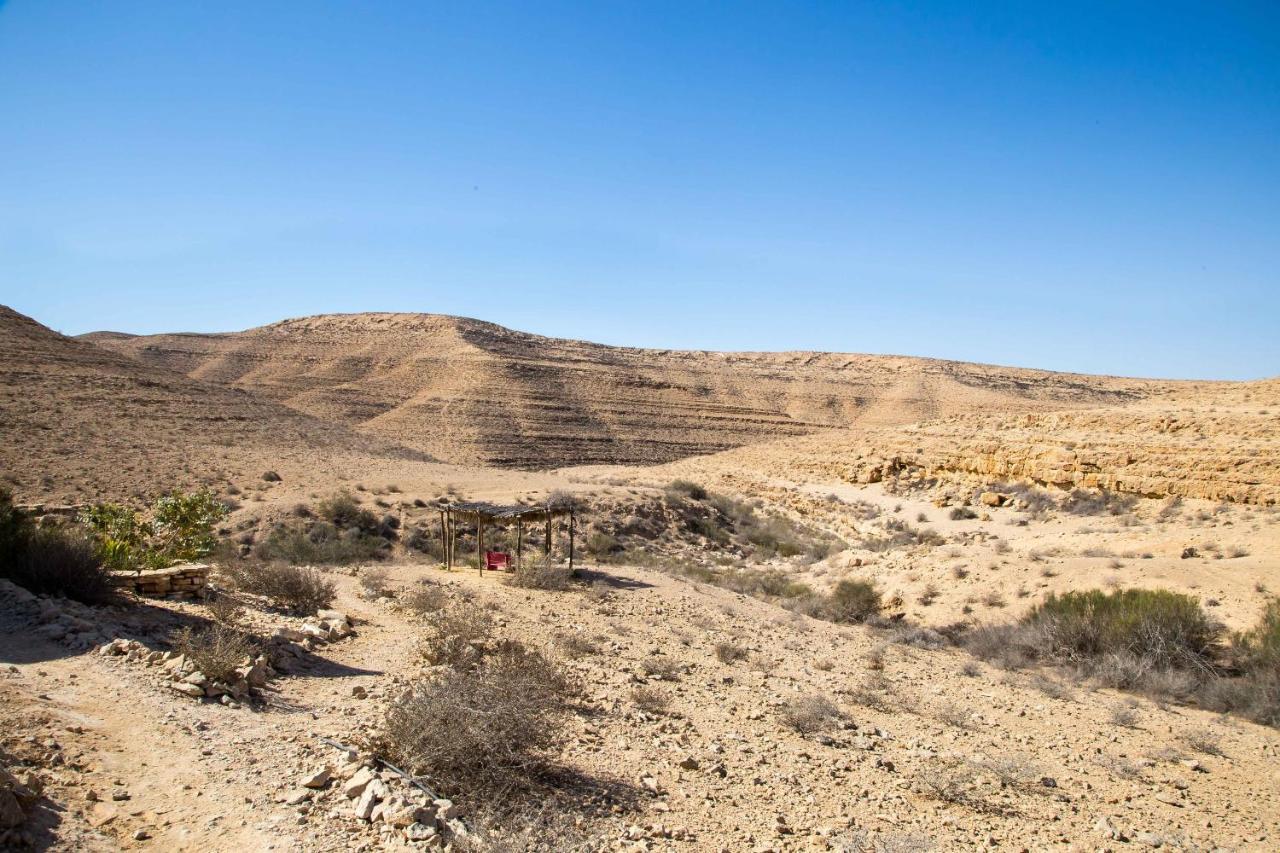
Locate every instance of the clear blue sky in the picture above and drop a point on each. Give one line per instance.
(1078, 186)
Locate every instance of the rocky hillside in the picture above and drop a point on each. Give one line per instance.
(472, 392)
(1217, 442)
(81, 421)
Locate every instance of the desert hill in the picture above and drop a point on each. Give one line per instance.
(81, 421)
(472, 392)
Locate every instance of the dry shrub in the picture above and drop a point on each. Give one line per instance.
(541, 573)
(851, 601)
(1125, 715)
(919, 637)
(458, 636)
(374, 582)
(1203, 740)
(809, 714)
(301, 589)
(488, 731)
(662, 668)
(425, 597)
(50, 560)
(216, 650)
(730, 652)
(576, 646)
(61, 561)
(651, 700)
(224, 608)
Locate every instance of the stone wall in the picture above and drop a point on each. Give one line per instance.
(184, 579)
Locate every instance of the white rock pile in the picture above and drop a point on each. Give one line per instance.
(181, 674)
(380, 798)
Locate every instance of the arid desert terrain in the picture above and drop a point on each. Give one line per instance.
(818, 600)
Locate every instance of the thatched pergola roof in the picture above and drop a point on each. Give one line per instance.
(491, 512)
(483, 513)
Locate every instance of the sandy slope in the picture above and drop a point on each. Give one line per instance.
(472, 392)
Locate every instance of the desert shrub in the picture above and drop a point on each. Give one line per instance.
(321, 543)
(223, 608)
(687, 489)
(730, 652)
(852, 601)
(540, 573)
(489, 730)
(650, 700)
(764, 583)
(374, 582)
(60, 561)
(303, 590)
(345, 513)
(1259, 648)
(962, 513)
(1255, 694)
(458, 636)
(15, 529)
(183, 524)
(808, 714)
(425, 597)
(919, 637)
(1100, 502)
(216, 650)
(576, 646)
(1167, 629)
(600, 544)
(425, 541)
(899, 534)
(662, 668)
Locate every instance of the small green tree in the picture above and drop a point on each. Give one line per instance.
(180, 527)
(183, 526)
(121, 534)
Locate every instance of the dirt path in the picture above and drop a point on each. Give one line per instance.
(197, 776)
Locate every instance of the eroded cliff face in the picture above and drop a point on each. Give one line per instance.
(1214, 442)
(471, 392)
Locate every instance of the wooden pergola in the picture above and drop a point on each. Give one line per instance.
(481, 514)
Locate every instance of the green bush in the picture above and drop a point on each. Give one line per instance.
(344, 512)
(320, 544)
(1162, 628)
(15, 529)
(1260, 647)
(851, 601)
(63, 561)
(50, 560)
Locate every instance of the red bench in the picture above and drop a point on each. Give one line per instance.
(496, 560)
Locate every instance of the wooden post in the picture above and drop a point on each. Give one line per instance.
(546, 545)
(444, 539)
(571, 540)
(480, 543)
(519, 542)
(448, 544)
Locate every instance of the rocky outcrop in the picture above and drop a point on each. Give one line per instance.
(1221, 445)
